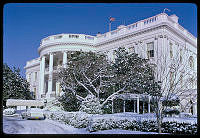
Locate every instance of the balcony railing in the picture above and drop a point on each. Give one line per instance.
(55, 68)
(146, 23)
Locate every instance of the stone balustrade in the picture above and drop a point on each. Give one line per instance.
(67, 38)
(163, 17)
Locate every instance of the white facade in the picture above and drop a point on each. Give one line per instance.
(154, 38)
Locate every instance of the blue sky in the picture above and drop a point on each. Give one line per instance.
(24, 25)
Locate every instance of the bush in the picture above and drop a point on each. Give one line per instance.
(69, 102)
(75, 119)
(92, 123)
(91, 105)
(145, 125)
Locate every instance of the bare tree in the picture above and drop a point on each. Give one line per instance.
(174, 76)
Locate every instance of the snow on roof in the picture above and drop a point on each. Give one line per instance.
(17, 102)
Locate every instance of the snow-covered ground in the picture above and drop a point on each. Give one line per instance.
(147, 116)
(15, 125)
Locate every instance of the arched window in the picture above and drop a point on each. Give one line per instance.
(191, 62)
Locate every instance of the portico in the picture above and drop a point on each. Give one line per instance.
(132, 103)
(49, 65)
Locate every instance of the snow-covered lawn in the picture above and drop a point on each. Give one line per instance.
(147, 116)
(127, 122)
(72, 130)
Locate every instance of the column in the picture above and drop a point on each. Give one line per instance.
(133, 106)
(50, 81)
(143, 107)
(124, 107)
(149, 105)
(57, 88)
(42, 68)
(112, 107)
(138, 102)
(195, 108)
(64, 59)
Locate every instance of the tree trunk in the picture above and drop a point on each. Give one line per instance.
(159, 126)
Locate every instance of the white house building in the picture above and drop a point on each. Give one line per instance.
(159, 38)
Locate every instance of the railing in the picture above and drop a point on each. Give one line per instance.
(89, 37)
(141, 24)
(67, 37)
(150, 20)
(54, 68)
(132, 26)
(58, 37)
(113, 32)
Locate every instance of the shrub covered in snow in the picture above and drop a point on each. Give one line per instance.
(91, 105)
(80, 120)
(75, 119)
(142, 125)
(179, 128)
(137, 123)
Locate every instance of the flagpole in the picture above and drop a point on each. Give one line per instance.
(109, 26)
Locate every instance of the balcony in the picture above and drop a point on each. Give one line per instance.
(55, 69)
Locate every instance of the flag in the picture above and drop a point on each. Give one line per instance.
(112, 19)
(166, 9)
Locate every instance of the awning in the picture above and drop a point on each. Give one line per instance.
(17, 102)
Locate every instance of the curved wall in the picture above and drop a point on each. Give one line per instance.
(68, 42)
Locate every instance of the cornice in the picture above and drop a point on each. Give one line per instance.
(163, 25)
(32, 65)
(63, 43)
(129, 35)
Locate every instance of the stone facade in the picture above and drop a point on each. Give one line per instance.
(159, 38)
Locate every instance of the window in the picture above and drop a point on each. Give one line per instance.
(34, 92)
(58, 37)
(171, 50)
(29, 77)
(181, 52)
(35, 76)
(191, 62)
(89, 37)
(150, 50)
(73, 36)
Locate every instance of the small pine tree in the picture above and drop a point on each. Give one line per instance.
(91, 105)
(69, 102)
